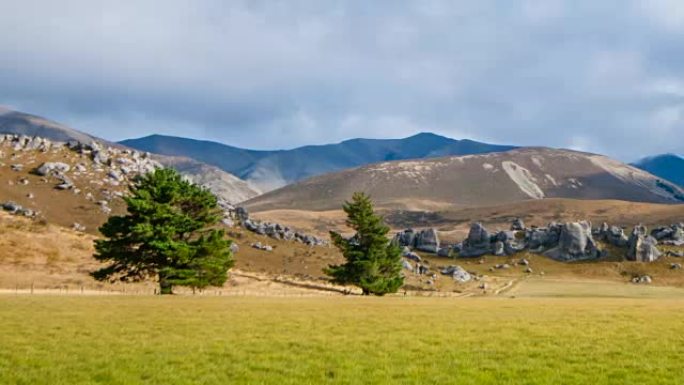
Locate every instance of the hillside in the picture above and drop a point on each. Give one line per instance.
(223, 184)
(268, 170)
(475, 180)
(20, 123)
(667, 166)
(454, 222)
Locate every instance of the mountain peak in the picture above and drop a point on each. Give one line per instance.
(667, 166)
(428, 135)
(272, 169)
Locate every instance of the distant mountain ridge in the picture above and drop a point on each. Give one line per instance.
(268, 170)
(667, 166)
(476, 180)
(223, 184)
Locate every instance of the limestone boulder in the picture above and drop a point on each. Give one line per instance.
(575, 243)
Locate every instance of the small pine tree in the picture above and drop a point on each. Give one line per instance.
(373, 263)
(169, 233)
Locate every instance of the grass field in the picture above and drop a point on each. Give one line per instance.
(342, 340)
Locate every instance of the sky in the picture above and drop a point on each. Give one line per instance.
(601, 76)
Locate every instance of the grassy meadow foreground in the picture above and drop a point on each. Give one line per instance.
(342, 340)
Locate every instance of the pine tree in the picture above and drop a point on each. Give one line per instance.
(169, 233)
(373, 263)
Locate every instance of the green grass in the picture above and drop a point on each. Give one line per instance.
(340, 340)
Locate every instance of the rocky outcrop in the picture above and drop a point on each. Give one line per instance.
(642, 247)
(575, 243)
(568, 242)
(17, 209)
(477, 243)
(613, 235)
(239, 215)
(671, 235)
(120, 165)
(542, 238)
(642, 279)
(406, 238)
(50, 168)
(458, 273)
(259, 246)
(125, 163)
(518, 225)
(426, 240)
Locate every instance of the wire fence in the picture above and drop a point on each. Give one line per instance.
(124, 290)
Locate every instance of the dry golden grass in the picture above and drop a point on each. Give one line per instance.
(454, 222)
(56, 206)
(48, 256)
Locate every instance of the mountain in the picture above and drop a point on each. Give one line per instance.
(20, 123)
(474, 180)
(667, 166)
(223, 184)
(268, 170)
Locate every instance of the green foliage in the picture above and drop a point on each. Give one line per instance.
(373, 263)
(168, 233)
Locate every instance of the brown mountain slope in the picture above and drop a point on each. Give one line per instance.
(223, 184)
(512, 176)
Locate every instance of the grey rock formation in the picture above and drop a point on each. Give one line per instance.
(644, 279)
(48, 168)
(17, 209)
(478, 243)
(511, 243)
(499, 248)
(413, 256)
(12, 207)
(539, 239)
(672, 235)
(457, 273)
(642, 247)
(575, 243)
(273, 230)
(260, 246)
(101, 158)
(406, 238)
(241, 214)
(406, 265)
(615, 236)
(427, 240)
(518, 225)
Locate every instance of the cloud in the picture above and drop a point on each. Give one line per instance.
(287, 73)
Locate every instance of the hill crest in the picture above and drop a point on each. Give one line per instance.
(475, 180)
(268, 170)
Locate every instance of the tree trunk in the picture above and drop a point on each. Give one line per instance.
(165, 287)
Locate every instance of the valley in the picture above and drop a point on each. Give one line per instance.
(341, 192)
(445, 194)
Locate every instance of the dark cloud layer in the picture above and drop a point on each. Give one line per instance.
(604, 76)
